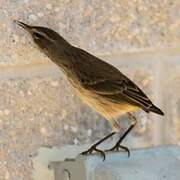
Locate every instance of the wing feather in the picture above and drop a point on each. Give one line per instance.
(107, 81)
(118, 90)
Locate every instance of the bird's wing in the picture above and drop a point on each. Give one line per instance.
(106, 80)
(118, 88)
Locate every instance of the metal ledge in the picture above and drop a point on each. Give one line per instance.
(159, 163)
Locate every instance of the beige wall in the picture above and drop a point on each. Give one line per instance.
(38, 107)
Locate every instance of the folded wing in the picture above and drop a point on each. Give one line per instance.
(118, 90)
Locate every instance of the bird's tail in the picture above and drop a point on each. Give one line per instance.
(156, 110)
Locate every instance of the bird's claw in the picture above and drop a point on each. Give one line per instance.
(117, 147)
(93, 148)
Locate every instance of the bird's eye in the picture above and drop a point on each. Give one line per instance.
(37, 35)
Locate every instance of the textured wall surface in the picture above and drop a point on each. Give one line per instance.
(38, 107)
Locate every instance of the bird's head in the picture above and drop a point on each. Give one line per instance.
(47, 40)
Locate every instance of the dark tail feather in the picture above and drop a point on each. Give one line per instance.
(156, 110)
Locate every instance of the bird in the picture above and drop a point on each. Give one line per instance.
(99, 84)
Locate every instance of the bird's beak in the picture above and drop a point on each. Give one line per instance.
(24, 26)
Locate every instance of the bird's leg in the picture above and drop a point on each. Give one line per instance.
(118, 145)
(94, 146)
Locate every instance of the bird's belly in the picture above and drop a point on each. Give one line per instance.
(108, 109)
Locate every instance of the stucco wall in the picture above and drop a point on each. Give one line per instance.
(38, 107)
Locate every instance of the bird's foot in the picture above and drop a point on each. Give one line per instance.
(94, 148)
(117, 147)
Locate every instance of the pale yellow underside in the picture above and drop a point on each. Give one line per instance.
(110, 110)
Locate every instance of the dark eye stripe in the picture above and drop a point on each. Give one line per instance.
(37, 35)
